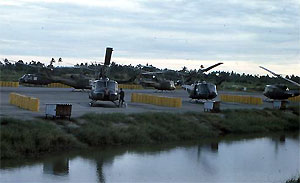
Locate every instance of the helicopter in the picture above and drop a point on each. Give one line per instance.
(202, 90)
(279, 91)
(46, 75)
(104, 89)
(156, 82)
(35, 79)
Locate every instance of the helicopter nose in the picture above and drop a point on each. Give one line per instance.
(21, 80)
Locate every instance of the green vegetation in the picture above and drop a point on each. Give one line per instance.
(293, 180)
(100, 129)
(30, 138)
(255, 120)
(10, 71)
(8, 75)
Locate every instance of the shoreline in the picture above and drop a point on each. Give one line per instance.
(32, 138)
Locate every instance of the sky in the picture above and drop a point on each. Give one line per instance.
(243, 34)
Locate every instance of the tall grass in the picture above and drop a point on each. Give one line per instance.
(30, 138)
(254, 120)
(141, 128)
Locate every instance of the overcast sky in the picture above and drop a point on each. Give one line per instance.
(166, 33)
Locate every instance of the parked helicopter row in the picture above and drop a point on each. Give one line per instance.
(104, 89)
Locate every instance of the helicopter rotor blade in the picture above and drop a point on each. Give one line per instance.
(108, 55)
(278, 75)
(211, 67)
(295, 83)
(152, 73)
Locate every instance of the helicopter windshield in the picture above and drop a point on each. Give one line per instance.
(100, 84)
(206, 88)
(111, 85)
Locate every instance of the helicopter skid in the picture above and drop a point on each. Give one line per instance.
(162, 91)
(273, 100)
(93, 103)
(79, 90)
(199, 101)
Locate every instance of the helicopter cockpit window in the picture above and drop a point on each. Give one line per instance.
(211, 87)
(100, 84)
(111, 85)
(206, 88)
(202, 88)
(25, 76)
(269, 89)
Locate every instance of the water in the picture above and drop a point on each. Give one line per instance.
(246, 159)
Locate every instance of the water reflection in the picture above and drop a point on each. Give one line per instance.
(236, 159)
(56, 166)
(100, 171)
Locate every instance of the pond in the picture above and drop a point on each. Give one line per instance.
(273, 158)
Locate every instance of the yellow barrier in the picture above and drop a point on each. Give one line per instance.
(295, 99)
(24, 102)
(178, 87)
(9, 84)
(156, 100)
(58, 85)
(130, 86)
(241, 99)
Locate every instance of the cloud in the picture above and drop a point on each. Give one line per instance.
(250, 31)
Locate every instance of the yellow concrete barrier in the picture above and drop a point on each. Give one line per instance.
(34, 104)
(9, 84)
(24, 102)
(295, 99)
(156, 100)
(241, 99)
(178, 88)
(58, 85)
(131, 86)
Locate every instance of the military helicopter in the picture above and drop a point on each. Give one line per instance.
(104, 89)
(46, 75)
(201, 90)
(280, 91)
(156, 82)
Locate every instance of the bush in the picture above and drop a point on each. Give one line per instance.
(32, 138)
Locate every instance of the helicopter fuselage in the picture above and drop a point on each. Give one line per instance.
(279, 92)
(165, 85)
(202, 91)
(36, 79)
(75, 81)
(104, 90)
